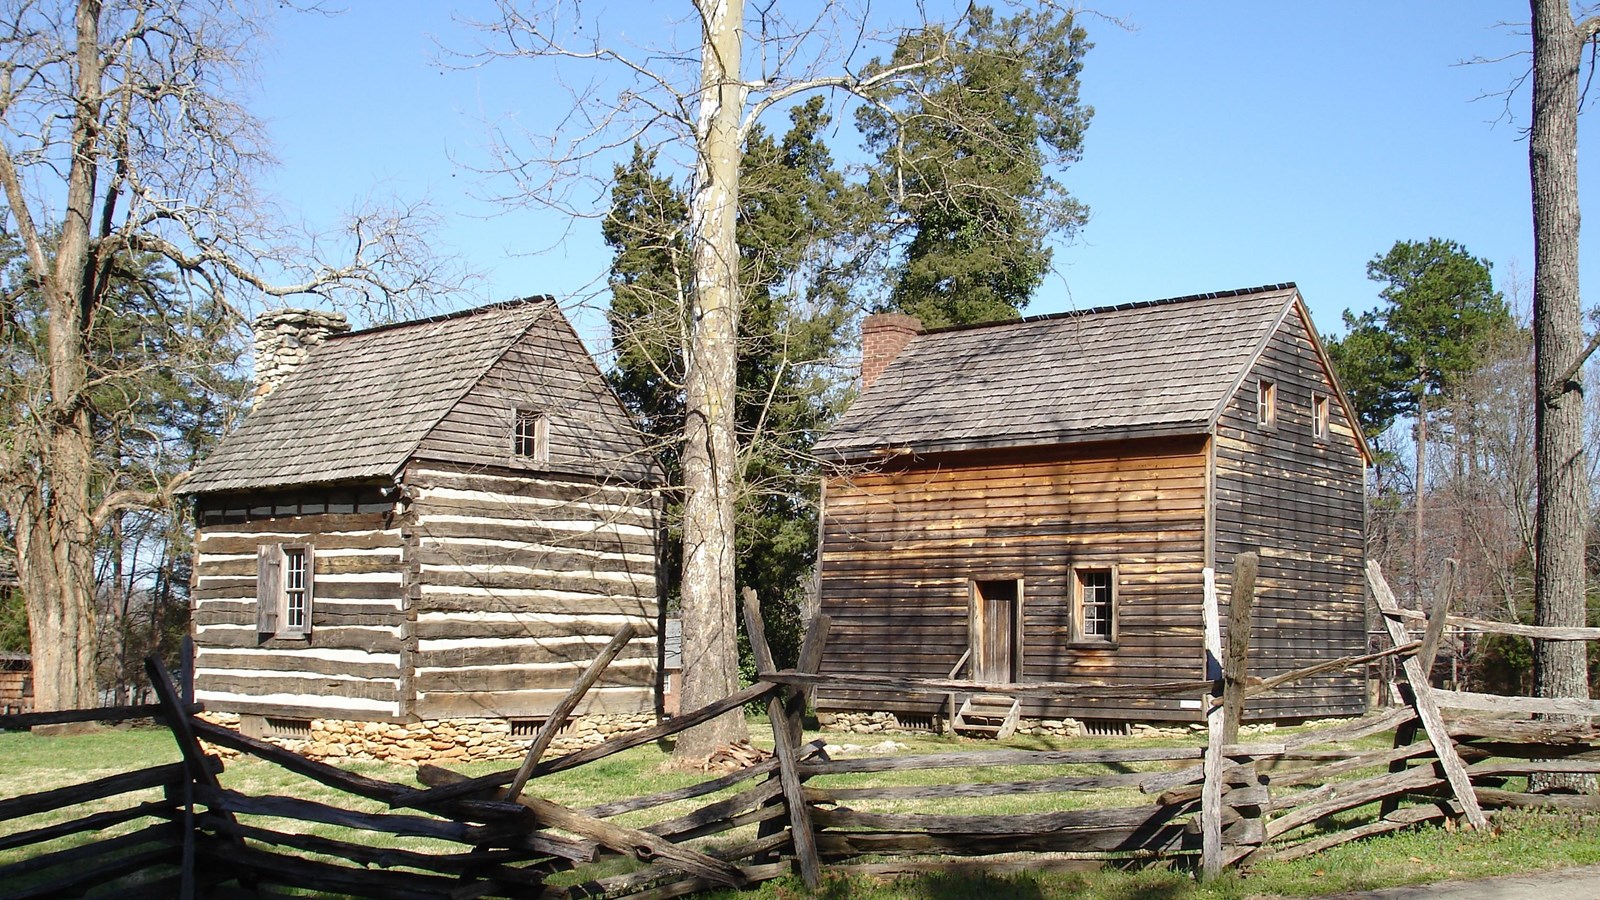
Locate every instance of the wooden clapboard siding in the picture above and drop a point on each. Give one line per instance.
(1300, 501)
(350, 666)
(521, 579)
(901, 546)
(546, 371)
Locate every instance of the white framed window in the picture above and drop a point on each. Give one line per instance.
(284, 589)
(530, 435)
(1094, 604)
(1267, 403)
(1320, 412)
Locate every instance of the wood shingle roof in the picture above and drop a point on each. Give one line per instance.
(360, 406)
(1145, 369)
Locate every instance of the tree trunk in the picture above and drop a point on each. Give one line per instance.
(710, 645)
(1419, 483)
(55, 560)
(1561, 518)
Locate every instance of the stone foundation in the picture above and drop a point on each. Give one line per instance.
(434, 740)
(880, 722)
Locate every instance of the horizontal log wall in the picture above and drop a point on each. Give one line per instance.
(519, 581)
(901, 546)
(350, 665)
(1300, 501)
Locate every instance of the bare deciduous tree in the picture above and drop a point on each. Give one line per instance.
(122, 134)
(1561, 524)
(701, 97)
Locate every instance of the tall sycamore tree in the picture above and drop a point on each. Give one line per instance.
(706, 97)
(1561, 520)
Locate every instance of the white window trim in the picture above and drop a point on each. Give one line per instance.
(1266, 403)
(540, 438)
(272, 591)
(1079, 637)
(1321, 416)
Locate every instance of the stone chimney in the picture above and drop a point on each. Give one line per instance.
(883, 336)
(284, 338)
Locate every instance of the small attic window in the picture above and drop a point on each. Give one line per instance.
(1266, 403)
(1319, 416)
(530, 436)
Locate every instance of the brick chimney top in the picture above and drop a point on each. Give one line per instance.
(284, 338)
(883, 336)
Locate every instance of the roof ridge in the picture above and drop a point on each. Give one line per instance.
(445, 410)
(445, 317)
(1116, 307)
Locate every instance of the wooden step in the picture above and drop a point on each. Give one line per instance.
(988, 715)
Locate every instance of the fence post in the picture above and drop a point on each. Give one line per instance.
(1419, 693)
(186, 671)
(783, 742)
(1235, 668)
(1211, 787)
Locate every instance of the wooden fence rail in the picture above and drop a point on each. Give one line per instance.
(181, 830)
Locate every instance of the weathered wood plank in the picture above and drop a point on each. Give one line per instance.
(978, 789)
(85, 875)
(163, 809)
(1211, 809)
(1487, 626)
(342, 779)
(312, 811)
(1519, 705)
(1427, 710)
(24, 721)
(1014, 824)
(632, 804)
(1161, 838)
(989, 758)
(1402, 818)
(479, 864)
(784, 733)
(1344, 795)
(942, 686)
(1235, 667)
(427, 797)
(628, 841)
(75, 794)
(558, 716)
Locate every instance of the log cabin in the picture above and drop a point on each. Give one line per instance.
(431, 521)
(1038, 500)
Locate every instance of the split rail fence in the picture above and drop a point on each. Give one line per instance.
(177, 829)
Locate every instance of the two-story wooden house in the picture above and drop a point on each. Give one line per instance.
(1045, 495)
(436, 520)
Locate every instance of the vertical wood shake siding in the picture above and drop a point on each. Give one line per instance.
(350, 666)
(1300, 501)
(545, 371)
(522, 579)
(901, 547)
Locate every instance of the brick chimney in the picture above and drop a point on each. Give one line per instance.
(284, 338)
(883, 336)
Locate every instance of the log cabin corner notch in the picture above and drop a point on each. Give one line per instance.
(438, 519)
(1045, 494)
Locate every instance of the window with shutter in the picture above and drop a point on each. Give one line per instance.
(284, 590)
(269, 588)
(297, 580)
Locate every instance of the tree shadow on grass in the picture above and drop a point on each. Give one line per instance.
(977, 885)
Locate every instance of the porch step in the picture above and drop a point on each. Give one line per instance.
(988, 715)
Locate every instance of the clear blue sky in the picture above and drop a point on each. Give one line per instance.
(1233, 144)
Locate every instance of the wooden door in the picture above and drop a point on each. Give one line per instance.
(995, 608)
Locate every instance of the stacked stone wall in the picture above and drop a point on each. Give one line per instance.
(439, 740)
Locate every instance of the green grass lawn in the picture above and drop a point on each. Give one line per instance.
(1526, 841)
